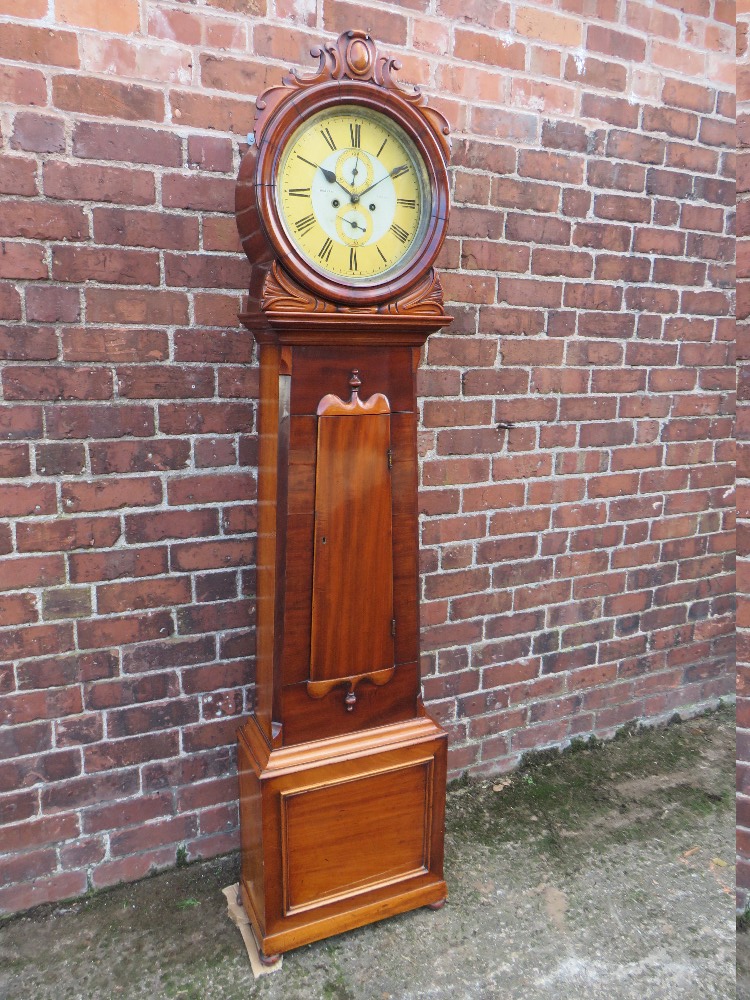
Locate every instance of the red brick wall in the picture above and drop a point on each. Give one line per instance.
(743, 459)
(576, 481)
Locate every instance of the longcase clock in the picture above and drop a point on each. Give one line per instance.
(342, 207)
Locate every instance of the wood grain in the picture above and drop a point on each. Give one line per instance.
(352, 600)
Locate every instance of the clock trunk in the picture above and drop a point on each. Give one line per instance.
(342, 771)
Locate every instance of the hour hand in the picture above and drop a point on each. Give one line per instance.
(329, 175)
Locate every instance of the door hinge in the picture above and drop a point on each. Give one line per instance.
(393, 626)
(389, 453)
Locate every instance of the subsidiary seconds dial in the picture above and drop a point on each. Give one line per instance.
(353, 194)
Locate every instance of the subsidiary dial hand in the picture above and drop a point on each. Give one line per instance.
(396, 172)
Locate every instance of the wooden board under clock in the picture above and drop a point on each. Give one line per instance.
(342, 206)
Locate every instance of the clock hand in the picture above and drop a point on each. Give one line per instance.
(396, 172)
(329, 175)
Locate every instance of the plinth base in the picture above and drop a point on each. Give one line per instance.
(340, 832)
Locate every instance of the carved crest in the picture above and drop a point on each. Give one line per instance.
(353, 56)
(281, 294)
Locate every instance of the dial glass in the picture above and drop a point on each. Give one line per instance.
(353, 194)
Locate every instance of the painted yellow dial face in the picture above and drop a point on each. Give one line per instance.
(353, 194)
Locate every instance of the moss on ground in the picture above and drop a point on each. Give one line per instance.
(592, 792)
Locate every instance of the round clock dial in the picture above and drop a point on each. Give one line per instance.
(353, 195)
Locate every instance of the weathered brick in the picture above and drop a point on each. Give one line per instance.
(93, 96)
(26, 43)
(38, 133)
(86, 182)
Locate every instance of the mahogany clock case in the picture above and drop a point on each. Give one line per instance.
(342, 772)
(269, 152)
(283, 109)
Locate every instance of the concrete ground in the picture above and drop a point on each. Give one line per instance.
(604, 872)
(743, 964)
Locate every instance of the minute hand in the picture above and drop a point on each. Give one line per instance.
(396, 172)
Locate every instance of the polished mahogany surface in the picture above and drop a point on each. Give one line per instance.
(353, 627)
(342, 772)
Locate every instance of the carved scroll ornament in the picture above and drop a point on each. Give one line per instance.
(353, 56)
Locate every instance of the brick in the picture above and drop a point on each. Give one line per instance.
(602, 237)
(25, 343)
(38, 133)
(52, 889)
(220, 233)
(134, 144)
(550, 166)
(632, 146)
(119, 753)
(205, 418)
(164, 381)
(150, 592)
(39, 45)
(16, 574)
(548, 27)
(18, 609)
(138, 456)
(609, 109)
(92, 96)
(130, 562)
(623, 176)
(66, 602)
(86, 182)
(615, 43)
(622, 208)
(22, 260)
(211, 194)
(211, 488)
(478, 47)
(32, 9)
(168, 231)
(14, 460)
(35, 640)
(127, 267)
(681, 94)
(512, 126)
(221, 346)
(66, 670)
(91, 14)
(103, 495)
(57, 383)
(142, 307)
(10, 304)
(100, 633)
(67, 534)
(562, 262)
(17, 500)
(678, 123)
(105, 421)
(239, 76)
(22, 87)
(206, 271)
(596, 73)
(113, 345)
(212, 111)
(52, 304)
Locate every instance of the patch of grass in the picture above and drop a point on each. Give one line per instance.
(743, 921)
(186, 904)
